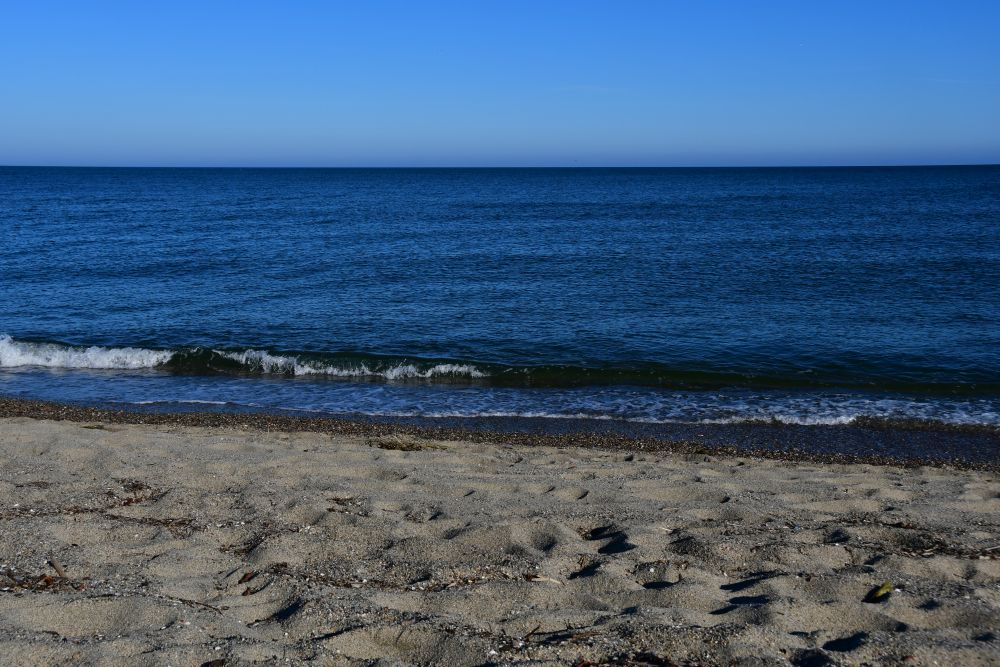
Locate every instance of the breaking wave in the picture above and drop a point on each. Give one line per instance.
(14, 353)
(694, 375)
(651, 394)
(206, 361)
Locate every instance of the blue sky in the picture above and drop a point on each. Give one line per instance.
(498, 83)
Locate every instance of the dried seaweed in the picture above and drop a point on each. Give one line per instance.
(11, 581)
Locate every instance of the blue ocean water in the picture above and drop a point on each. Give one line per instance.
(802, 295)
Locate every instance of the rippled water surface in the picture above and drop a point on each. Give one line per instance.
(804, 295)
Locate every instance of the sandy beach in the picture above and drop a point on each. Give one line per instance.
(174, 544)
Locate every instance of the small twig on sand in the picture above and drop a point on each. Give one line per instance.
(57, 566)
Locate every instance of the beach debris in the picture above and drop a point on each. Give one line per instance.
(266, 532)
(880, 593)
(250, 590)
(57, 566)
(11, 581)
(401, 442)
(137, 492)
(530, 576)
(36, 484)
(178, 527)
(250, 574)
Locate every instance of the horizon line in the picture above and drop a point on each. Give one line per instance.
(557, 166)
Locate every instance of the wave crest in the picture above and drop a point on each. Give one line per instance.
(273, 364)
(690, 375)
(17, 354)
(14, 353)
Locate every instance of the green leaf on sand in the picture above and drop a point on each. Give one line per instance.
(880, 594)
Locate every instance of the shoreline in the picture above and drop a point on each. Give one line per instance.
(904, 444)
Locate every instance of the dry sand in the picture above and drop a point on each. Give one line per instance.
(150, 545)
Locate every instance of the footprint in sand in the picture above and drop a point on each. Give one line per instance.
(742, 601)
(750, 581)
(586, 571)
(616, 539)
(845, 644)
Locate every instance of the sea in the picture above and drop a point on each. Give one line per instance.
(802, 296)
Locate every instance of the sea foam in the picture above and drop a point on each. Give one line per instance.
(14, 353)
(264, 362)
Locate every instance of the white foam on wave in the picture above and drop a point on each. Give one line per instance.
(410, 371)
(798, 420)
(804, 420)
(18, 354)
(14, 354)
(272, 363)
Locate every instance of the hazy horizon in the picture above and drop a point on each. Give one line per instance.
(927, 165)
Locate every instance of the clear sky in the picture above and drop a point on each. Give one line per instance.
(504, 82)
